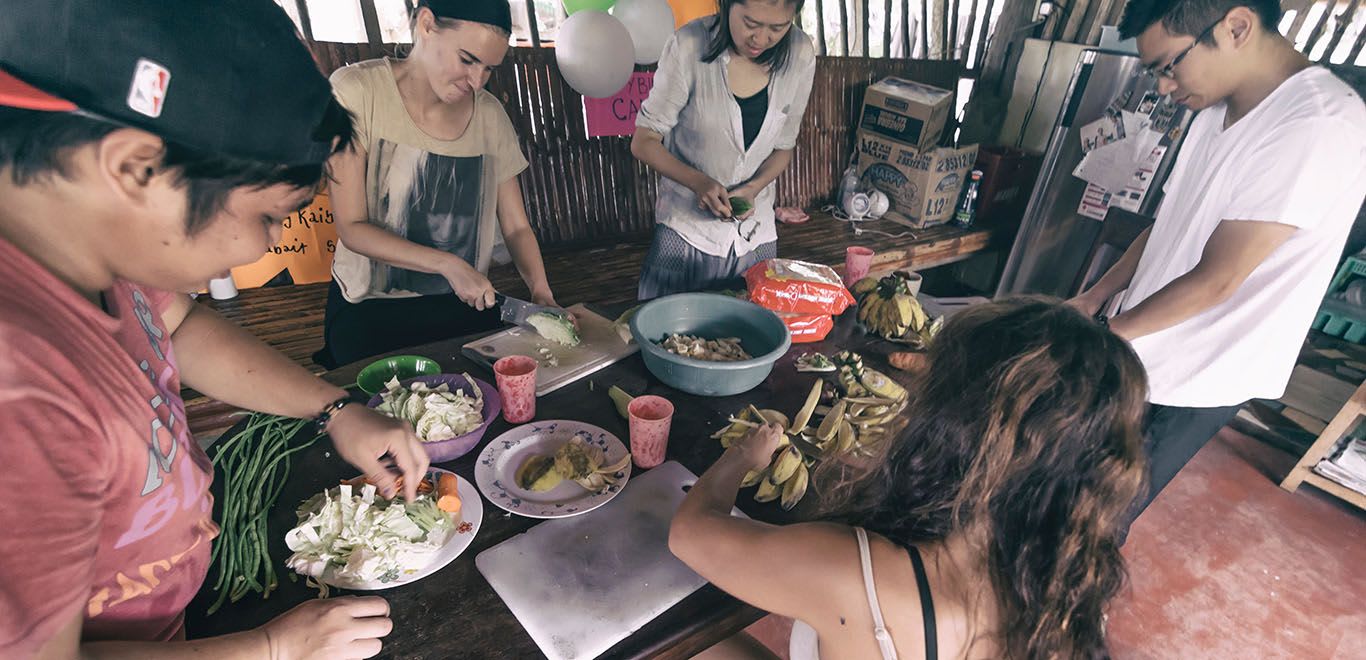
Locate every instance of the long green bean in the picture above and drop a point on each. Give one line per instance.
(255, 465)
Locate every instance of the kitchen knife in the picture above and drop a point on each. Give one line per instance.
(514, 311)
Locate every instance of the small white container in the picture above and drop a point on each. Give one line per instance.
(223, 288)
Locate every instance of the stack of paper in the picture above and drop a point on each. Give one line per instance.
(1348, 468)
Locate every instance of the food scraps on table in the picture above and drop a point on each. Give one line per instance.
(575, 461)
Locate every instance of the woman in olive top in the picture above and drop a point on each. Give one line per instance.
(421, 200)
(721, 122)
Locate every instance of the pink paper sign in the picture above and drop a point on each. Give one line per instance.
(616, 114)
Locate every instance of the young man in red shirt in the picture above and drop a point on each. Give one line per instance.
(146, 147)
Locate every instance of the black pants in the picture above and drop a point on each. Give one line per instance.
(355, 331)
(1173, 436)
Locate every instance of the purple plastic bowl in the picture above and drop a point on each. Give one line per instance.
(453, 448)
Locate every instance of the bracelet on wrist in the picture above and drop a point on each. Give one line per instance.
(325, 417)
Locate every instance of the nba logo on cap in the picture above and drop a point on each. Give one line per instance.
(148, 91)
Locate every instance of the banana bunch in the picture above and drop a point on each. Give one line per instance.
(887, 309)
(853, 424)
(855, 380)
(788, 471)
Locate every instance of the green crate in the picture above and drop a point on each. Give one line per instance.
(1351, 266)
(1340, 319)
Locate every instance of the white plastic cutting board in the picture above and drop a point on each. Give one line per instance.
(580, 585)
(600, 346)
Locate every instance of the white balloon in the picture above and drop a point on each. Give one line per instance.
(594, 53)
(650, 22)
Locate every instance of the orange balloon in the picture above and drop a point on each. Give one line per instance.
(685, 11)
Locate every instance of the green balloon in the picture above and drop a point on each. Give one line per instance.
(571, 6)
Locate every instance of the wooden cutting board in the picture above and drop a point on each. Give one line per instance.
(600, 346)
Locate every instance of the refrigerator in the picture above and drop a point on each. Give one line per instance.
(1106, 98)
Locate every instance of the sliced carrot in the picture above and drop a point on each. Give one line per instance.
(355, 482)
(448, 493)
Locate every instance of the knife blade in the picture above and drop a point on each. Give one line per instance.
(515, 311)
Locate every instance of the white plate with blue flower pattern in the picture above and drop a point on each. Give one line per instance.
(494, 471)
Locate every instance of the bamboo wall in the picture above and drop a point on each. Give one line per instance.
(581, 190)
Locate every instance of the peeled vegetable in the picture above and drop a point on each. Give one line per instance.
(740, 206)
(724, 349)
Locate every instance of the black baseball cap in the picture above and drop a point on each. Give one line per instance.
(489, 12)
(230, 78)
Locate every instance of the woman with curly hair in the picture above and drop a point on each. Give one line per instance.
(986, 529)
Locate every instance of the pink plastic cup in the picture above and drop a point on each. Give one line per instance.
(651, 417)
(516, 377)
(857, 262)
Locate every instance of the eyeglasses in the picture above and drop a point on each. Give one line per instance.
(1170, 70)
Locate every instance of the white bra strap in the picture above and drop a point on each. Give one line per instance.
(884, 638)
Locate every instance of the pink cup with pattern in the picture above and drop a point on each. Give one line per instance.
(651, 417)
(858, 261)
(516, 377)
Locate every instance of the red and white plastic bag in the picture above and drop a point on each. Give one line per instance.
(806, 329)
(797, 287)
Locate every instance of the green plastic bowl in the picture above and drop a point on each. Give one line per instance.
(372, 378)
(762, 334)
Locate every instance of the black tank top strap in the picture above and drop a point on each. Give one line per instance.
(926, 603)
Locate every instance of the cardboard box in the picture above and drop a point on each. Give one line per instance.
(922, 186)
(906, 112)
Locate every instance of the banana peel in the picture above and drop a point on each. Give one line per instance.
(830, 425)
(804, 415)
(879, 384)
(622, 400)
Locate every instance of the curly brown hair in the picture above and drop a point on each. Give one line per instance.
(1025, 431)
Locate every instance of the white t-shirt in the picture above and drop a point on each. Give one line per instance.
(1298, 158)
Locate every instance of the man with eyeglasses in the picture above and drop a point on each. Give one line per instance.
(1272, 173)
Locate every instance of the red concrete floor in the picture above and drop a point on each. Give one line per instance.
(1225, 564)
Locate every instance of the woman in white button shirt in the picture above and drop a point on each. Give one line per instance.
(721, 122)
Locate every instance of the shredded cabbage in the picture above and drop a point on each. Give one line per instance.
(435, 413)
(364, 538)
